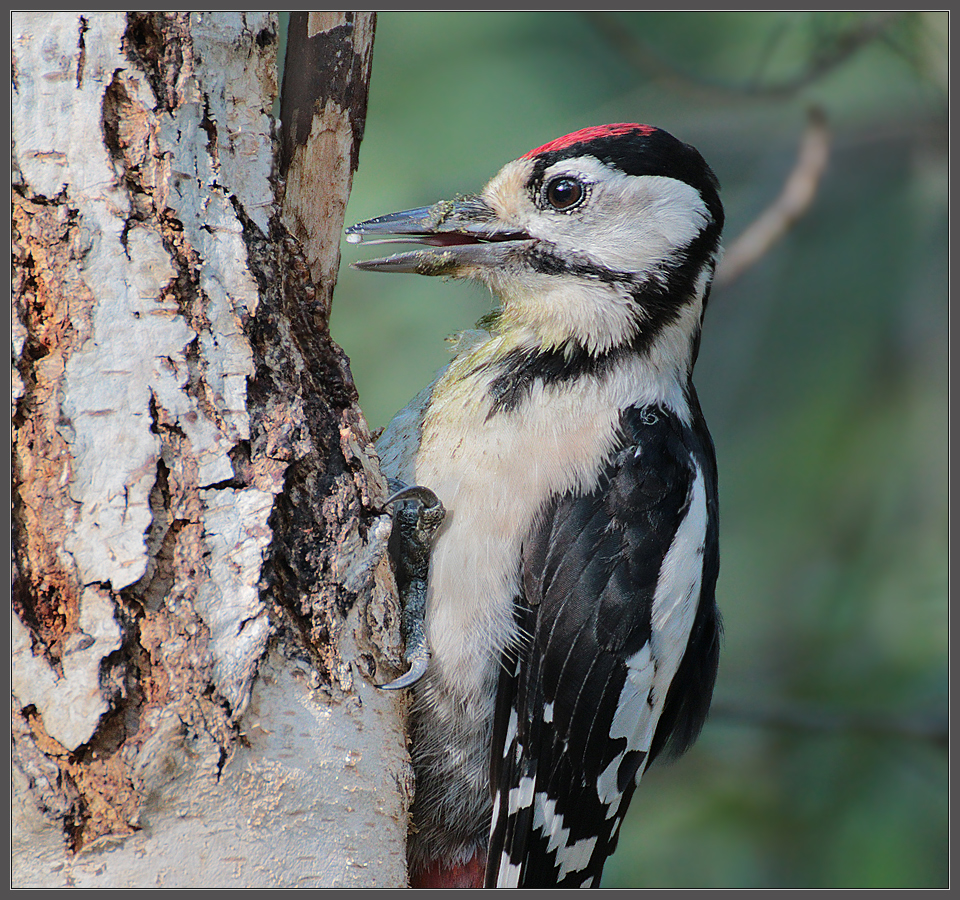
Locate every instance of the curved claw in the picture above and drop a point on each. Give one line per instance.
(415, 492)
(414, 527)
(410, 677)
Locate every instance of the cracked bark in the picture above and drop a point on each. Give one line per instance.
(200, 596)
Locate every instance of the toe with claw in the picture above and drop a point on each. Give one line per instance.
(417, 515)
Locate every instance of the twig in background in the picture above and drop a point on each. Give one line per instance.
(798, 192)
(829, 55)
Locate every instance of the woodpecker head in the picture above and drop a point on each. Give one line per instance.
(601, 241)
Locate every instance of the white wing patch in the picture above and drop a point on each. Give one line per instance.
(511, 734)
(570, 857)
(550, 823)
(678, 591)
(521, 796)
(633, 720)
(575, 857)
(509, 874)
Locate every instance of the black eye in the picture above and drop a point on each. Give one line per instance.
(564, 193)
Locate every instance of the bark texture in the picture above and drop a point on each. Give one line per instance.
(323, 112)
(200, 593)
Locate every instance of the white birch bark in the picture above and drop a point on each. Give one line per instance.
(199, 604)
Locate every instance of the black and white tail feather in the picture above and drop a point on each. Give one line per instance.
(605, 677)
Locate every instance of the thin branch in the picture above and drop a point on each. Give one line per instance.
(934, 729)
(643, 57)
(798, 192)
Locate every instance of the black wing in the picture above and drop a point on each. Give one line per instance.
(617, 656)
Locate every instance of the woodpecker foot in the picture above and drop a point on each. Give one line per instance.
(417, 516)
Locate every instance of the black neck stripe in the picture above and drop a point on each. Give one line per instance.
(520, 369)
(544, 261)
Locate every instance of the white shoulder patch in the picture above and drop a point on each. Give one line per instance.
(678, 587)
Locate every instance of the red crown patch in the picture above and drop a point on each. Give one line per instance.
(589, 134)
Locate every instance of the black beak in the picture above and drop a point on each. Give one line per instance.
(464, 236)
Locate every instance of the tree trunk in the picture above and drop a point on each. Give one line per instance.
(201, 598)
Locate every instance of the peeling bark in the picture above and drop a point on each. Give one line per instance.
(322, 114)
(200, 598)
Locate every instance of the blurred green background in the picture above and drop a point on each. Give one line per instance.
(823, 375)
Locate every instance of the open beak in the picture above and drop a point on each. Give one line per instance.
(463, 236)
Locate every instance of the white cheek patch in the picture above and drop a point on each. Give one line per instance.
(628, 223)
(642, 224)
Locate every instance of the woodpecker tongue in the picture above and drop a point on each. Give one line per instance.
(466, 233)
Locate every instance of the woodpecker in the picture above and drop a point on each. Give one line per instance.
(571, 625)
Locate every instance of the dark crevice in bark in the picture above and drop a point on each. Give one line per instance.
(47, 589)
(296, 359)
(81, 50)
(156, 41)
